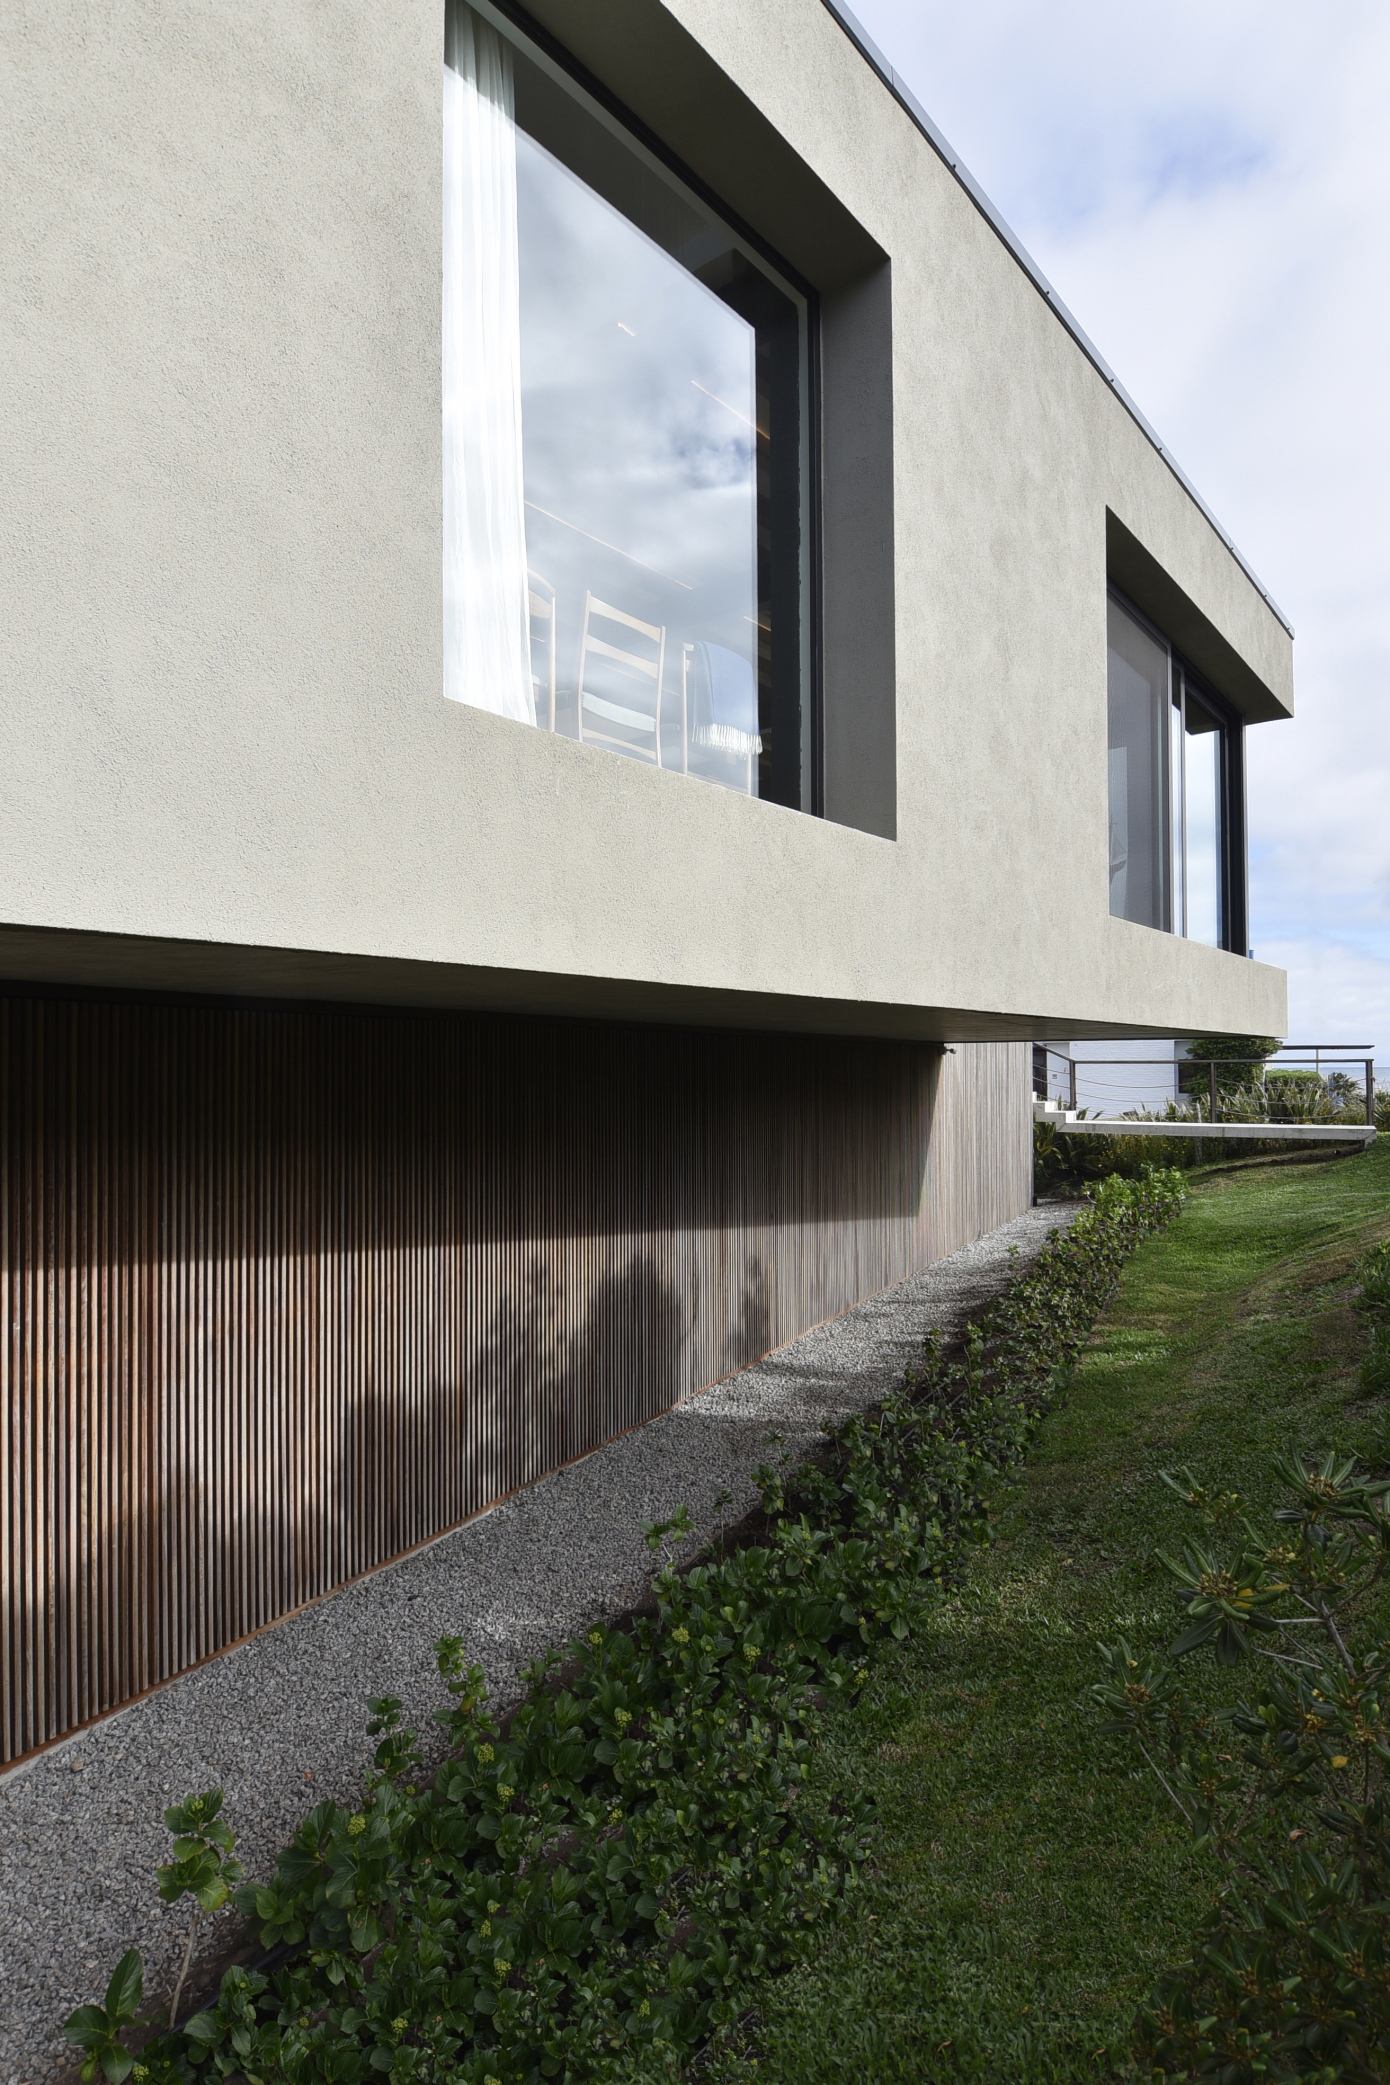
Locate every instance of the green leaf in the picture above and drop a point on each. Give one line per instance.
(86, 2026)
(117, 2065)
(1192, 1639)
(124, 1991)
(1230, 1645)
(364, 1931)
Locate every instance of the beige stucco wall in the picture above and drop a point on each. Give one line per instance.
(221, 726)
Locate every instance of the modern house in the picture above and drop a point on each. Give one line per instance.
(562, 732)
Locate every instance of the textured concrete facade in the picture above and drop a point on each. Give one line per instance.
(224, 754)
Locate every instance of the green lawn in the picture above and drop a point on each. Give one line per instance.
(1025, 1885)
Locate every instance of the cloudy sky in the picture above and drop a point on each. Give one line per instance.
(1207, 185)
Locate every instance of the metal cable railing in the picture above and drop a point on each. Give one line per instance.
(1298, 1083)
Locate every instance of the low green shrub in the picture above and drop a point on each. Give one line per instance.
(1295, 1096)
(583, 1888)
(1063, 1162)
(1287, 1786)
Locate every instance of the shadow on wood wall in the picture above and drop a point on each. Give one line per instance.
(288, 1291)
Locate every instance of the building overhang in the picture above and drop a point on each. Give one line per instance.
(79, 964)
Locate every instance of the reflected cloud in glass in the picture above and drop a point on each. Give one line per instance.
(663, 402)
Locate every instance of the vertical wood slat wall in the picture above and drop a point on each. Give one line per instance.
(285, 1292)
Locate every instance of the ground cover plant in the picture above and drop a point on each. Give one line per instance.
(1286, 1786)
(590, 1887)
(1064, 1161)
(1027, 1888)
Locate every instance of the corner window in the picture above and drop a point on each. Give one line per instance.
(1177, 848)
(625, 437)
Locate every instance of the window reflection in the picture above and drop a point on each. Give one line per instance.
(1139, 820)
(1168, 782)
(1202, 787)
(624, 419)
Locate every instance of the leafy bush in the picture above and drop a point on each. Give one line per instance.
(1233, 1056)
(1288, 1786)
(583, 1888)
(1232, 1048)
(1062, 1161)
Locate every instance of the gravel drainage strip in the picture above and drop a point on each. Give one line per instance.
(280, 1723)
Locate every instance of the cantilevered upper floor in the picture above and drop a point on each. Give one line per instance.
(726, 588)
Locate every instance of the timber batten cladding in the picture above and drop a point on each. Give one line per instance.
(285, 1292)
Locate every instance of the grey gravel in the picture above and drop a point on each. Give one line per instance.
(279, 1724)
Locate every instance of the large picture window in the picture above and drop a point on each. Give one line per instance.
(1177, 845)
(625, 437)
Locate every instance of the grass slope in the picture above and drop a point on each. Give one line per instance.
(1026, 1887)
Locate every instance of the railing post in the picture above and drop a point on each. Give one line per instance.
(1071, 1084)
(1211, 1079)
(1370, 1093)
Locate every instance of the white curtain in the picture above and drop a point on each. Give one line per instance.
(487, 651)
(1119, 831)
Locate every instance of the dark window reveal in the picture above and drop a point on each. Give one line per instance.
(1177, 844)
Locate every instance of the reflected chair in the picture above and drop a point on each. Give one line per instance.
(540, 603)
(719, 714)
(622, 661)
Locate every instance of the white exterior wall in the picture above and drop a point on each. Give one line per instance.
(225, 758)
(1136, 1081)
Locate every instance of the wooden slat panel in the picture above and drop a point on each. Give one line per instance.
(285, 1292)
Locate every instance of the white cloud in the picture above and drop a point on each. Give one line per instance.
(1208, 187)
(1331, 983)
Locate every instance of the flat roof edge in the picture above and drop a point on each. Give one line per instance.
(904, 95)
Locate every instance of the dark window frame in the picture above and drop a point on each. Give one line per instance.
(812, 721)
(1233, 860)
